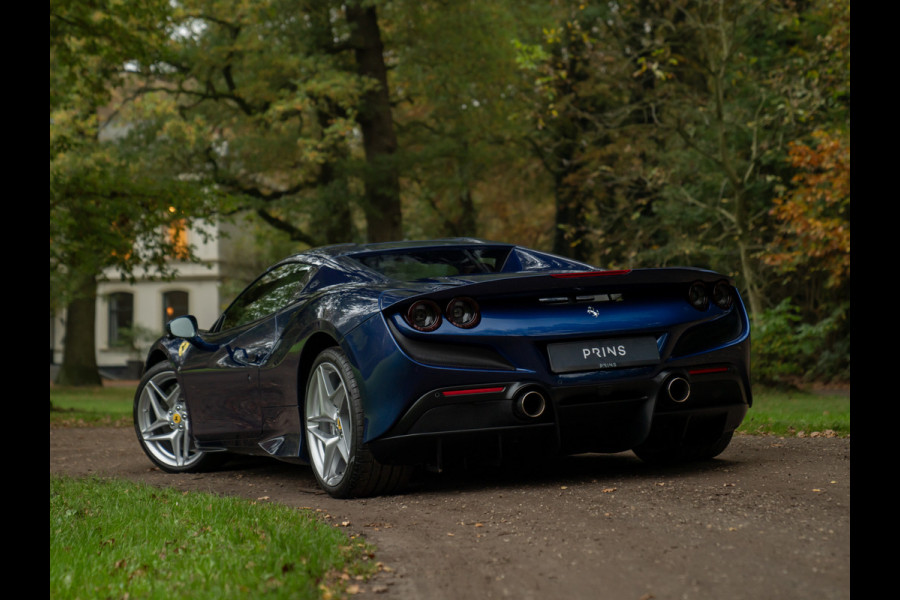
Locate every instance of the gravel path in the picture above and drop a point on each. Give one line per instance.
(770, 518)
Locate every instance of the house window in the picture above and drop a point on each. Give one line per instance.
(178, 236)
(121, 318)
(175, 304)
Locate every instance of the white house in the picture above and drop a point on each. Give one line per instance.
(126, 310)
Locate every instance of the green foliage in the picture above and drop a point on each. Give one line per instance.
(648, 133)
(666, 129)
(589, 129)
(744, 90)
(785, 349)
(116, 200)
(455, 104)
(137, 339)
(112, 200)
(110, 538)
(273, 95)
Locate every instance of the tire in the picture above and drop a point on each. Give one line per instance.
(686, 451)
(710, 451)
(333, 419)
(163, 426)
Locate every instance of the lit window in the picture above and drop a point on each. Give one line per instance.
(175, 304)
(178, 236)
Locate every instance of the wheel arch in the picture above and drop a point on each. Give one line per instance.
(156, 356)
(353, 471)
(314, 346)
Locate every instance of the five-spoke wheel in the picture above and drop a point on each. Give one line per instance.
(333, 417)
(162, 422)
(329, 423)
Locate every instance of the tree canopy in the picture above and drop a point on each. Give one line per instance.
(656, 132)
(114, 194)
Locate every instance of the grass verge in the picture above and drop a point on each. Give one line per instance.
(91, 406)
(798, 413)
(116, 539)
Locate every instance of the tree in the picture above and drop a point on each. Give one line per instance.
(751, 85)
(277, 92)
(595, 77)
(454, 74)
(750, 78)
(723, 119)
(813, 213)
(111, 204)
(664, 128)
(375, 118)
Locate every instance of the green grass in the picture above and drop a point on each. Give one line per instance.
(91, 406)
(774, 412)
(115, 539)
(795, 413)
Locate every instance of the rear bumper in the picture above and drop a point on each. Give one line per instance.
(504, 416)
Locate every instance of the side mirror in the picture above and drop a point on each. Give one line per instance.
(183, 327)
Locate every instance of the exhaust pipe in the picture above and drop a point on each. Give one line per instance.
(530, 404)
(679, 389)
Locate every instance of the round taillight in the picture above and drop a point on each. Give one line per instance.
(698, 296)
(463, 312)
(722, 295)
(424, 315)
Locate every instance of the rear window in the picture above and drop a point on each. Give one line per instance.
(416, 264)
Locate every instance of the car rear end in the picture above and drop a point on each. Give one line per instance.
(599, 361)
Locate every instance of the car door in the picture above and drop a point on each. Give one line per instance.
(222, 380)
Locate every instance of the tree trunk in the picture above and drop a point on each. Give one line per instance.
(752, 289)
(383, 214)
(79, 364)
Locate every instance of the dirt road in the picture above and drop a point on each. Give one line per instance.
(769, 519)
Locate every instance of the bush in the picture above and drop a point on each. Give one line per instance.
(785, 350)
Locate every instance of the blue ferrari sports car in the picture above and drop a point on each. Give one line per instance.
(366, 361)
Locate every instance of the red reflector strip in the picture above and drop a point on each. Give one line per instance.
(490, 390)
(706, 371)
(590, 274)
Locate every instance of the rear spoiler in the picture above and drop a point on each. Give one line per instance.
(542, 282)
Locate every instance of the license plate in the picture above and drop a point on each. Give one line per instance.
(596, 355)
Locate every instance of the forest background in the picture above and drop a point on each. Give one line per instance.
(708, 133)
